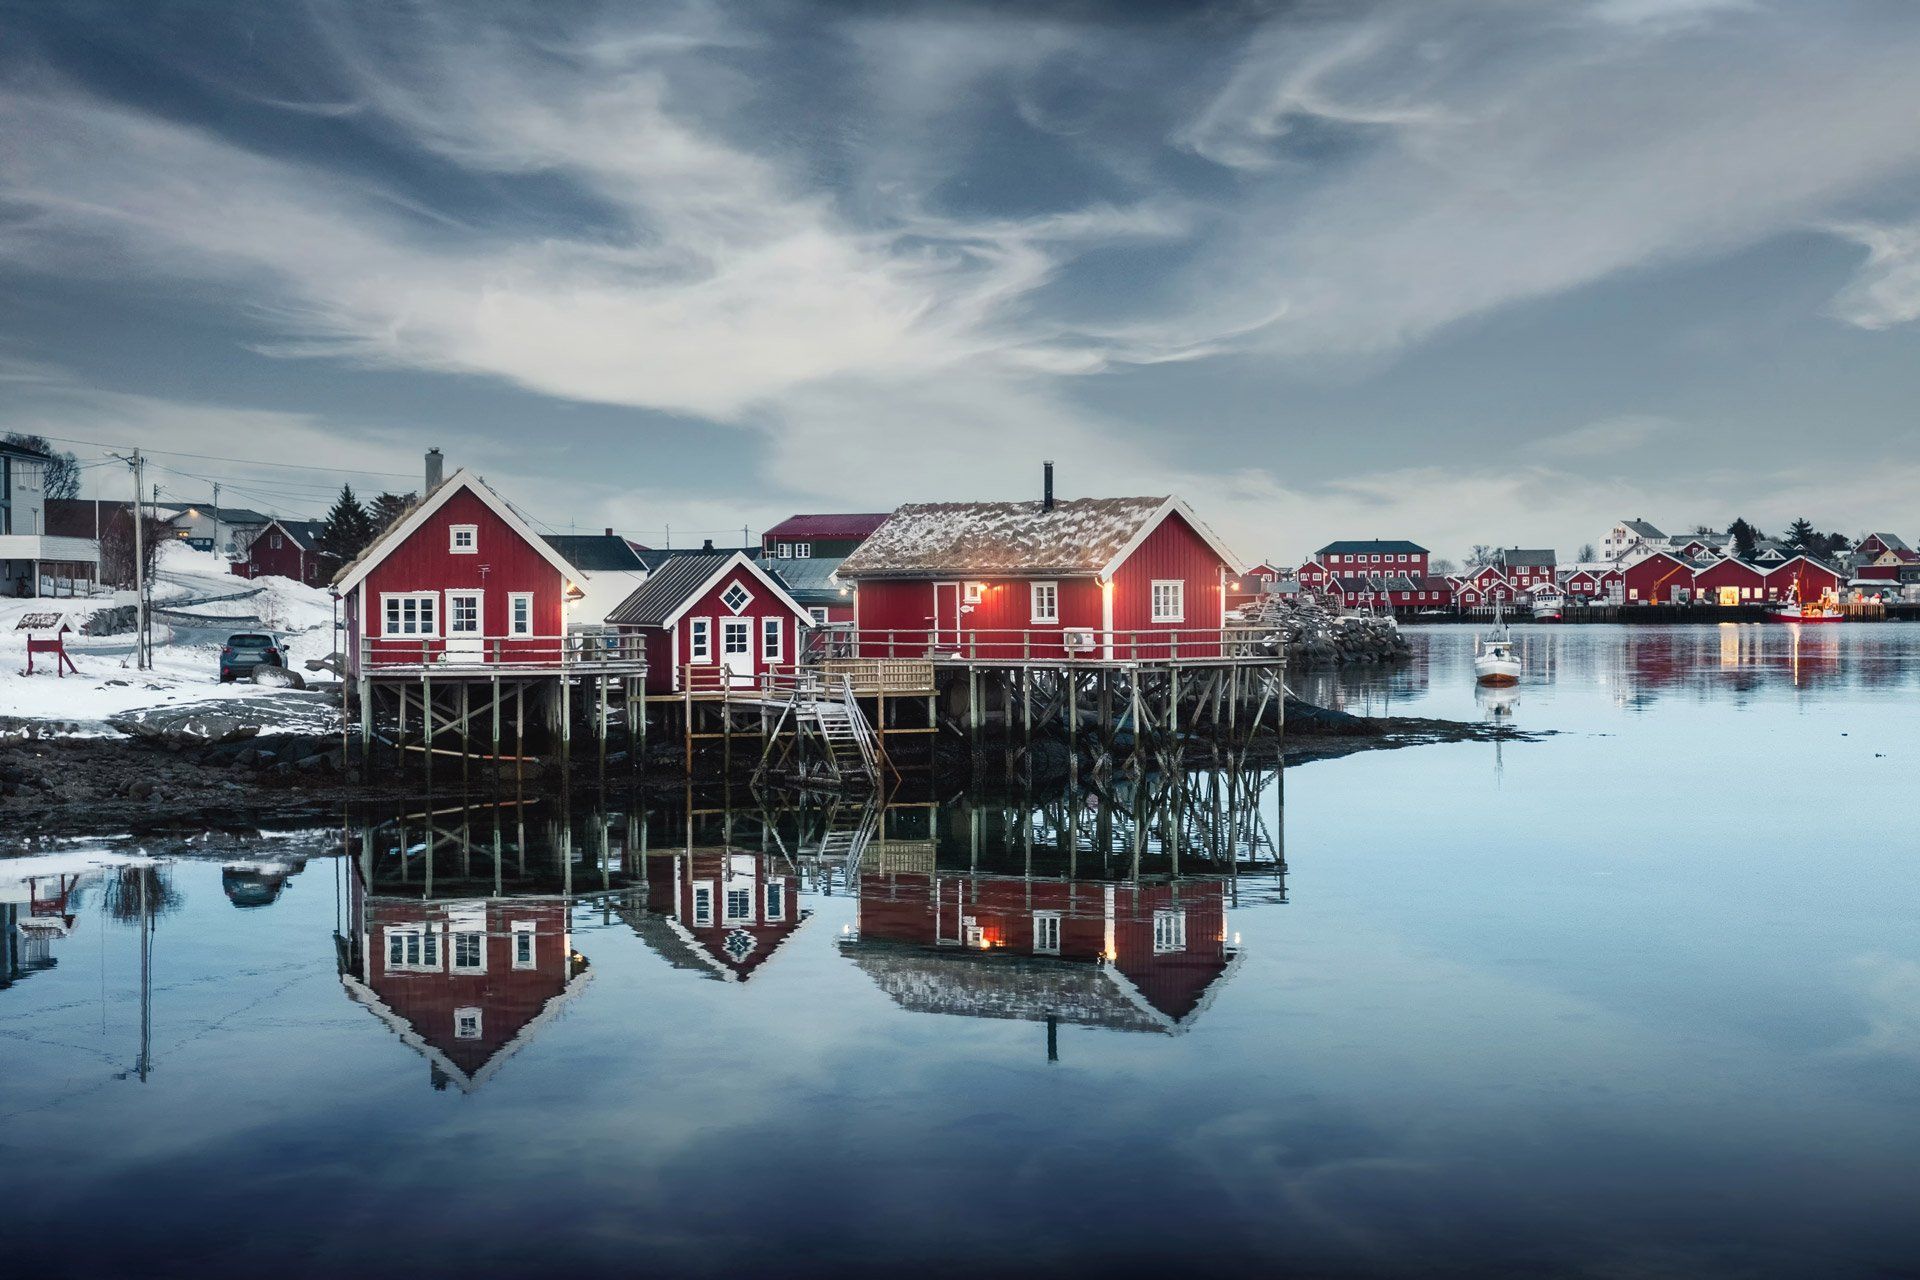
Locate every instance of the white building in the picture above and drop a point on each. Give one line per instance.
(32, 563)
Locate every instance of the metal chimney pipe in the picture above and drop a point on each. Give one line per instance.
(1046, 489)
(436, 471)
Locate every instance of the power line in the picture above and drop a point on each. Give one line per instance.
(250, 462)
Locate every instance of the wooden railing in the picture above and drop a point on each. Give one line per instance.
(594, 652)
(1056, 644)
(859, 677)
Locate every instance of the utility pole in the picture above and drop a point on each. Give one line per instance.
(144, 655)
(216, 517)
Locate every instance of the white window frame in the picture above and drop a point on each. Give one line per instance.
(274, 544)
(516, 624)
(702, 903)
(773, 647)
(700, 640)
(1169, 932)
(746, 597)
(479, 613)
(785, 551)
(426, 950)
(392, 604)
(460, 1018)
(776, 900)
(973, 592)
(455, 939)
(473, 539)
(1046, 933)
(1044, 599)
(803, 551)
(819, 617)
(523, 931)
(1179, 592)
(727, 914)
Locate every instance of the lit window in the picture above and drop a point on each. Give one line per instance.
(1169, 931)
(973, 591)
(700, 640)
(464, 539)
(466, 1024)
(522, 944)
(1046, 933)
(520, 613)
(735, 597)
(1169, 600)
(1046, 601)
(771, 646)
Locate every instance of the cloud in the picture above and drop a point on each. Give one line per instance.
(1607, 437)
(1886, 289)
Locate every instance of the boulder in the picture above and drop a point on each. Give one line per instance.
(278, 677)
(177, 728)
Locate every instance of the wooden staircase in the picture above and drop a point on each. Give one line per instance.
(819, 712)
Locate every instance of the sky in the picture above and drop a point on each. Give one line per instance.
(1494, 272)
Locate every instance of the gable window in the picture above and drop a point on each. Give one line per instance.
(466, 1024)
(1169, 931)
(275, 544)
(1046, 933)
(703, 903)
(520, 613)
(776, 900)
(700, 640)
(1046, 601)
(771, 643)
(463, 539)
(412, 614)
(523, 944)
(1169, 600)
(736, 597)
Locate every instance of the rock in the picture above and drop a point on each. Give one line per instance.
(177, 728)
(278, 677)
(140, 789)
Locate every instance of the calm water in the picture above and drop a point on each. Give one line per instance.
(1640, 998)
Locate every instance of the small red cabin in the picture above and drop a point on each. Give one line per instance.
(289, 549)
(1801, 578)
(1108, 578)
(1661, 578)
(1729, 582)
(461, 580)
(711, 621)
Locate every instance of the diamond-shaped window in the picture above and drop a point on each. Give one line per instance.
(735, 597)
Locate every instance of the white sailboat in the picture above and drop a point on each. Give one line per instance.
(1494, 662)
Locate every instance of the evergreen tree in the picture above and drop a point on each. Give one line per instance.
(1801, 535)
(349, 528)
(1745, 538)
(387, 508)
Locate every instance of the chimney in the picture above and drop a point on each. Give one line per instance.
(707, 545)
(609, 531)
(1046, 486)
(436, 471)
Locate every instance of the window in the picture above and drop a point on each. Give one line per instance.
(803, 551)
(702, 904)
(466, 1024)
(520, 613)
(736, 637)
(973, 592)
(1046, 601)
(771, 645)
(1169, 931)
(469, 953)
(1046, 933)
(819, 617)
(523, 944)
(1169, 600)
(786, 551)
(411, 615)
(463, 613)
(416, 949)
(700, 640)
(777, 900)
(275, 543)
(735, 597)
(739, 903)
(463, 539)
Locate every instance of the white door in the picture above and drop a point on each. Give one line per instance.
(464, 642)
(946, 615)
(736, 650)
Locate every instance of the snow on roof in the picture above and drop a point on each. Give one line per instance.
(1078, 536)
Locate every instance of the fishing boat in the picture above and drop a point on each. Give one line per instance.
(1794, 609)
(1493, 659)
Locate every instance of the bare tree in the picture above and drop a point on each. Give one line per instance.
(1586, 554)
(1442, 566)
(63, 470)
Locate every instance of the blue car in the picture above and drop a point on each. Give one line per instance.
(246, 650)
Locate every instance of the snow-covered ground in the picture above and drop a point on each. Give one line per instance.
(186, 658)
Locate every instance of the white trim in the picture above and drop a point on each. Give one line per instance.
(737, 559)
(693, 897)
(524, 929)
(385, 596)
(1033, 601)
(1199, 526)
(479, 1022)
(385, 545)
(1179, 586)
(742, 588)
(1052, 917)
(479, 599)
(694, 658)
(453, 540)
(777, 652)
(514, 598)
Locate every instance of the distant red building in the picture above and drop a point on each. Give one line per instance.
(289, 549)
(1661, 578)
(1112, 578)
(1801, 578)
(1583, 584)
(1374, 556)
(1526, 568)
(711, 621)
(833, 536)
(1729, 582)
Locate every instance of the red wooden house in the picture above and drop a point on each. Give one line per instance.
(1488, 584)
(1253, 585)
(289, 549)
(712, 621)
(1111, 578)
(1526, 568)
(463, 983)
(1875, 545)
(1583, 584)
(718, 911)
(460, 580)
(1801, 578)
(1374, 555)
(1613, 584)
(1660, 578)
(1729, 582)
(1124, 957)
(1314, 576)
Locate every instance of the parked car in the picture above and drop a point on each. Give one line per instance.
(246, 650)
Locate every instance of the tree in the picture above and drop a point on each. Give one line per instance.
(1442, 567)
(387, 508)
(1587, 555)
(63, 469)
(349, 528)
(1800, 535)
(1745, 537)
(1481, 555)
(1702, 530)
(116, 545)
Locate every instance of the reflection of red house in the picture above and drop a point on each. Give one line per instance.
(1087, 577)
(723, 912)
(1143, 957)
(465, 983)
